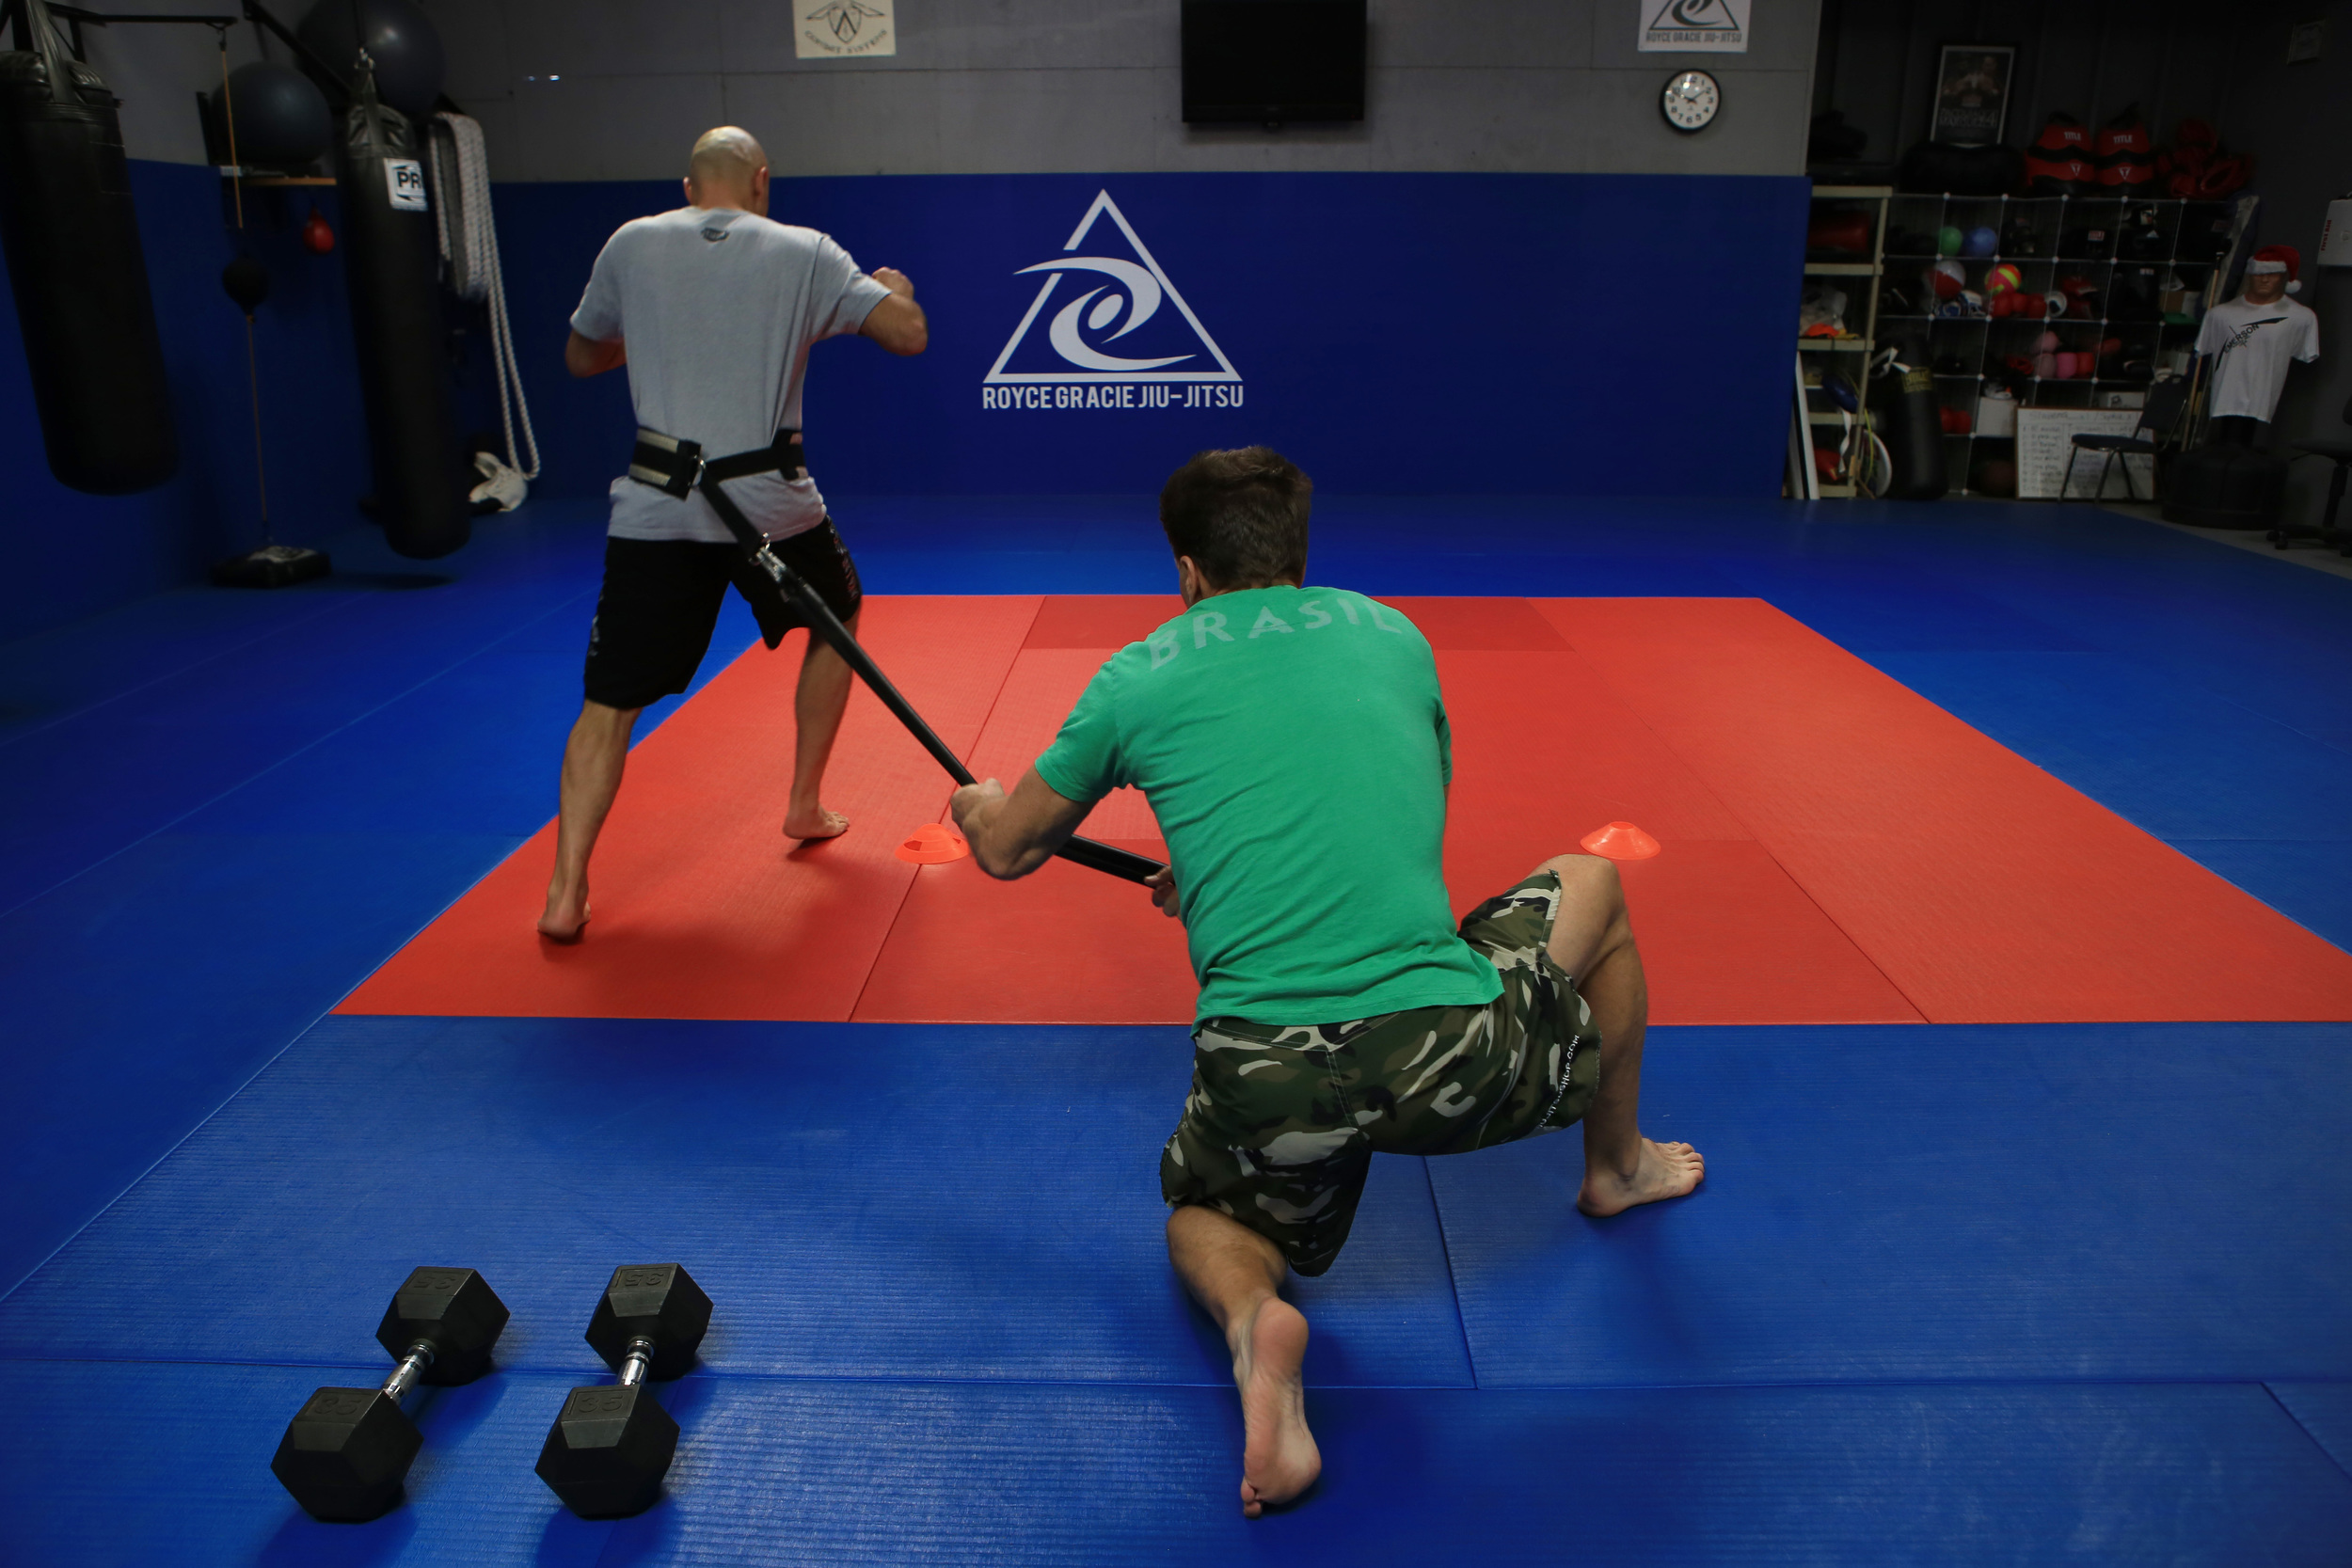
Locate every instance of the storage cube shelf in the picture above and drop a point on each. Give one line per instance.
(2146, 269)
(1851, 353)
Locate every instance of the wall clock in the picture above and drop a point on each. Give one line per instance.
(1689, 101)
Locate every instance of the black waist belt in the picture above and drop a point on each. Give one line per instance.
(676, 466)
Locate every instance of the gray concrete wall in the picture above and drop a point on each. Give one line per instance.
(617, 89)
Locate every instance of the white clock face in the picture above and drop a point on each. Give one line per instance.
(1691, 99)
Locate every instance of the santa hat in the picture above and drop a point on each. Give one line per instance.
(2279, 258)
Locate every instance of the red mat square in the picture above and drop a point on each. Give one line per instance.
(1838, 850)
(1101, 621)
(1985, 889)
(701, 906)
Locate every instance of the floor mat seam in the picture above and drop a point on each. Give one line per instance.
(177, 1144)
(1452, 1284)
(305, 749)
(2304, 1426)
(88, 708)
(1706, 784)
(907, 893)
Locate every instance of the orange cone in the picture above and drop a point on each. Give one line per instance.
(933, 845)
(1619, 841)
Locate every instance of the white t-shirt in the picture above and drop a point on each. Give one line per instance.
(2265, 337)
(719, 309)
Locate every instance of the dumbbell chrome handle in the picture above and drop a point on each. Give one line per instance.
(412, 1367)
(634, 1363)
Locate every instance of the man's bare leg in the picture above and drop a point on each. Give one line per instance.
(592, 761)
(1233, 1273)
(1592, 940)
(817, 706)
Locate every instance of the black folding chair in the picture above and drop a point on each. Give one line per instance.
(2157, 417)
(2326, 532)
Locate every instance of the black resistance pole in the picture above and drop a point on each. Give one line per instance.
(1088, 852)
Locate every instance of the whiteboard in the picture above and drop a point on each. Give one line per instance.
(2045, 439)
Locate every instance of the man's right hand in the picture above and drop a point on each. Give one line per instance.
(897, 322)
(588, 356)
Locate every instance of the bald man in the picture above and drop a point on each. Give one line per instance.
(712, 308)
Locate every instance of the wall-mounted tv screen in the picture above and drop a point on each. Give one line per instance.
(1269, 62)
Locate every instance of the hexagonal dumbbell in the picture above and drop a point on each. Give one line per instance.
(347, 1450)
(611, 1444)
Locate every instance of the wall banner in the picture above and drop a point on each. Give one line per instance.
(1693, 27)
(1089, 332)
(1067, 360)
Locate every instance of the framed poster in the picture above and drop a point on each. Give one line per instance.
(1972, 83)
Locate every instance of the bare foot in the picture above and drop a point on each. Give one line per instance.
(1279, 1459)
(566, 916)
(1662, 1171)
(820, 823)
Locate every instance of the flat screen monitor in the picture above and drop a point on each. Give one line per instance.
(1269, 62)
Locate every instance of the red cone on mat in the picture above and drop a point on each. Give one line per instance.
(932, 845)
(1619, 841)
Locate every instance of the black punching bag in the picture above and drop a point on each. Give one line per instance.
(1910, 422)
(391, 258)
(73, 245)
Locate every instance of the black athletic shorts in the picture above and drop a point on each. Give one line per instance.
(660, 601)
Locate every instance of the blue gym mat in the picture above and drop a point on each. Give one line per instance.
(2103, 1201)
(862, 1200)
(1896, 1203)
(1926, 1269)
(205, 852)
(2180, 763)
(144, 1464)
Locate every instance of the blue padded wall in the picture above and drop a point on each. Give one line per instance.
(1395, 333)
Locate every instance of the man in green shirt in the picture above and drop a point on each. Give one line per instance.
(1292, 743)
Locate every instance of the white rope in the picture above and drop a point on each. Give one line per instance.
(469, 249)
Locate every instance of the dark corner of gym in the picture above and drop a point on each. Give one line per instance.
(858, 782)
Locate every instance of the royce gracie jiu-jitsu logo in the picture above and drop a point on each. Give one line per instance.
(1108, 329)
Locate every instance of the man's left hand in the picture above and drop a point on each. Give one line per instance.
(1163, 885)
(896, 282)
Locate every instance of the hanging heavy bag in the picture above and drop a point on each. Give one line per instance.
(1912, 423)
(80, 277)
(391, 260)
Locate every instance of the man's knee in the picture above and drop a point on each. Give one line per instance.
(1588, 882)
(604, 716)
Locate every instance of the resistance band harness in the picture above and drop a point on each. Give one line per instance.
(678, 469)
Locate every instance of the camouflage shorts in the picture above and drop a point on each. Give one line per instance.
(1282, 1123)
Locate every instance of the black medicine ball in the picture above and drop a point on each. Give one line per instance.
(280, 115)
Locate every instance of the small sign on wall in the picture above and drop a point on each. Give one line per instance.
(844, 29)
(1693, 27)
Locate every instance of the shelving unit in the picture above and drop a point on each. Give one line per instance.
(2146, 270)
(1853, 352)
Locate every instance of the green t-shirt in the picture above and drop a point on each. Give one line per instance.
(1292, 743)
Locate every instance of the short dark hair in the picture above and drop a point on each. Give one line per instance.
(1241, 515)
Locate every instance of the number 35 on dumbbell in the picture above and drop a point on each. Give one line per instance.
(611, 1444)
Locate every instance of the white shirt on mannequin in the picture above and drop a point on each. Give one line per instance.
(2261, 340)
